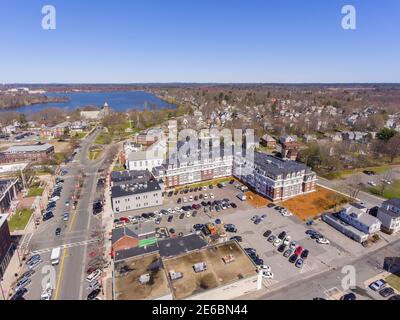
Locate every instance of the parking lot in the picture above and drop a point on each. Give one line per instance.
(321, 256)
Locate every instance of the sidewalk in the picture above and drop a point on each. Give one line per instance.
(108, 223)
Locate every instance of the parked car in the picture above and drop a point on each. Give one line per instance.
(293, 258)
(277, 242)
(237, 238)
(267, 233)
(282, 235)
(93, 295)
(377, 285)
(387, 292)
(66, 217)
(323, 241)
(282, 248)
(395, 298)
(305, 254)
(94, 276)
(349, 297)
(299, 263)
(271, 205)
(58, 231)
(299, 250)
(288, 253)
(272, 238)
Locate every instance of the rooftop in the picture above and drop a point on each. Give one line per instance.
(277, 166)
(118, 177)
(128, 273)
(134, 188)
(217, 274)
(29, 148)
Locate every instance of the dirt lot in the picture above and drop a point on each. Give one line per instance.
(256, 200)
(60, 147)
(314, 204)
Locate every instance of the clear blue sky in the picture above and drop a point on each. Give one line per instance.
(199, 41)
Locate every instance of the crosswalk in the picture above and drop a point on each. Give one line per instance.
(269, 282)
(307, 267)
(66, 246)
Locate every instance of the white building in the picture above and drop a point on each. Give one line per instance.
(356, 215)
(389, 215)
(143, 160)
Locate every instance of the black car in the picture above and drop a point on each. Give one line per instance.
(93, 295)
(198, 226)
(282, 235)
(282, 248)
(387, 292)
(48, 216)
(267, 233)
(58, 231)
(237, 238)
(182, 216)
(395, 298)
(259, 262)
(271, 205)
(349, 297)
(293, 258)
(170, 218)
(304, 254)
(231, 230)
(250, 250)
(233, 205)
(369, 172)
(205, 231)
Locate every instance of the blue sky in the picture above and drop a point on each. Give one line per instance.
(128, 41)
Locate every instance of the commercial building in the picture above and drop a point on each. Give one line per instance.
(56, 131)
(6, 246)
(37, 153)
(134, 196)
(130, 177)
(275, 178)
(217, 272)
(345, 228)
(389, 215)
(356, 215)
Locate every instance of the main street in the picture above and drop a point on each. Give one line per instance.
(81, 231)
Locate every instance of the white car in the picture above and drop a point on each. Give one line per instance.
(265, 268)
(184, 200)
(206, 196)
(277, 242)
(267, 275)
(205, 188)
(286, 213)
(212, 196)
(371, 183)
(190, 199)
(188, 215)
(287, 241)
(94, 286)
(323, 241)
(377, 285)
(94, 276)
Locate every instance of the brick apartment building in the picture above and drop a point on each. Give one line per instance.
(20, 153)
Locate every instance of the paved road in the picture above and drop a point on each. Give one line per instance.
(340, 185)
(77, 234)
(327, 283)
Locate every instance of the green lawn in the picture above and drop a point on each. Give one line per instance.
(392, 191)
(95, 154)
(207, 183)
(394, 281)
(118, 167)
(80, 135)
(20, 219)
(35, 192)
(103, 138)
(342, 174)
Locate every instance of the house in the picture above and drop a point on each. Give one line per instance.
(389, 215)
(287, 139)
(56, 131)
(143, 160)
(6, 246)
(356, 215)
(268, 141)
(132, 236)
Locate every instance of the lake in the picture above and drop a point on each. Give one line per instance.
(119, 101)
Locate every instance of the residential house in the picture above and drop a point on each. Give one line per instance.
(356, 215)
(389, 215)
(268, 141)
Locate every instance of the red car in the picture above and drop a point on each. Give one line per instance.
(299, 250)
(124, 219)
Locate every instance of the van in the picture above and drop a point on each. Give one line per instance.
(55, 256)
(94, 276)
(242, 197)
